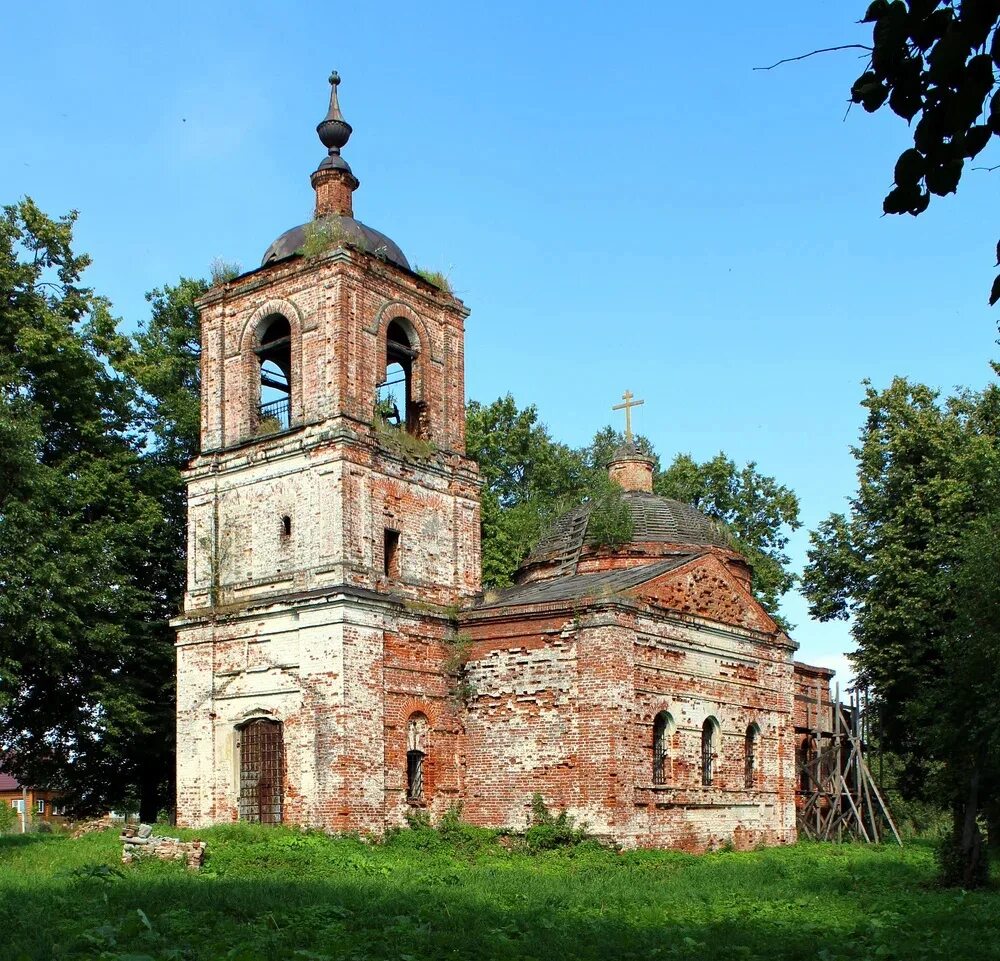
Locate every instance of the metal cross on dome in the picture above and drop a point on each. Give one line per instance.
(627, 406)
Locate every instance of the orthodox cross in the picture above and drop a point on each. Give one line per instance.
(627, 407)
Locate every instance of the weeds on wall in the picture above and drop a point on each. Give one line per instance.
(454, 664)
(266, 426)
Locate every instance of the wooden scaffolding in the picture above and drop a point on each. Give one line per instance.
(838, 798)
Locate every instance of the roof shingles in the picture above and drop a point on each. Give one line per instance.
(578, 587)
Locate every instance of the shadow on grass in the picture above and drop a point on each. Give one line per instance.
(15, 841)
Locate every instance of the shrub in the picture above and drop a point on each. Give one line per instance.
(9, 818)
(418, 819)
(460, 689)
(547, 831)
(223, 270)
(461, 834)
(953, 872)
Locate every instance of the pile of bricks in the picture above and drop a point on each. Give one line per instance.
(141, 842)
(96, 824)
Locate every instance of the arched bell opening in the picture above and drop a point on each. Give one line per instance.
(274, 354)
(394, 399)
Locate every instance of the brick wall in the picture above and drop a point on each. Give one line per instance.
(565, 707)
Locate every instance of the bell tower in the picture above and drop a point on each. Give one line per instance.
(332, 499)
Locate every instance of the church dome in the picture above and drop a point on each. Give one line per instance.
(353, 231)
(660, 526)
(335, 183)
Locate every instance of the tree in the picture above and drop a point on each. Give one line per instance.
(913, 565)
(934, 61)
(87, 657)
(528, 479)
(163, 360)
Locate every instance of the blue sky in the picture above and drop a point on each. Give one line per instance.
(618, 197)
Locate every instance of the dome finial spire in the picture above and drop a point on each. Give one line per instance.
(333, 180)
(334, 131)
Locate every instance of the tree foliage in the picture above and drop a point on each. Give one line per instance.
(86, 656)
(914, 565)
(934, 64)
(528, 478)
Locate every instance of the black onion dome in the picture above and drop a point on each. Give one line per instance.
(655, 519)
(353, 231)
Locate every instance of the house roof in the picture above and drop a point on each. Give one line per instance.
(578, 587)
(8, 782)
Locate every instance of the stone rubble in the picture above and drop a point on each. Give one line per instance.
(142, 842)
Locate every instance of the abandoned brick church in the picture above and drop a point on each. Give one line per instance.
(337, 662)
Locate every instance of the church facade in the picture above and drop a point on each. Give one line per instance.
(338, 664)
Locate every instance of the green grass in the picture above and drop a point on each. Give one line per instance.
(275, 894)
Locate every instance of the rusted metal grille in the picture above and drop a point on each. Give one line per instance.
(415, 775)
(707, 754)
(279, 410)
(750, 771)
(660, 755)
(262, 769)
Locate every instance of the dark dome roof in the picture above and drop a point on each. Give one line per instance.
(355, 232)
(654, 519)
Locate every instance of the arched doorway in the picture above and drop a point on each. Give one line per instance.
(262, 771)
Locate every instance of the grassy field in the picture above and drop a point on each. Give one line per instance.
(275, 894)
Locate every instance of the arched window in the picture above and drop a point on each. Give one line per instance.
(709, 750)
(663, 728)
(274, 352)
(750, 761)
(394, 397)
(416, 755)
(262, 771)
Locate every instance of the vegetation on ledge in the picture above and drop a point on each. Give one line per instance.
(397, 440)
(436, 278)
(221, 271)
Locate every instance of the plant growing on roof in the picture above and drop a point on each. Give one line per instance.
(610, 522)
(323, 234)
